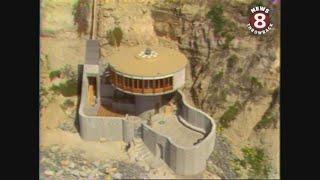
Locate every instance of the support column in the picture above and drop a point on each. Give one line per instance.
(142, 86)
(98, 81)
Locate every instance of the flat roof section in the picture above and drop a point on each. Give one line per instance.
(92, 52)
(161, 61)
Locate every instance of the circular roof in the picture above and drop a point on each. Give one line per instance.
(147, 61)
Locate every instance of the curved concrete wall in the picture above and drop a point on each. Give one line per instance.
(184, 160)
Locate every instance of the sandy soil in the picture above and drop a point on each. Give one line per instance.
(63, 51)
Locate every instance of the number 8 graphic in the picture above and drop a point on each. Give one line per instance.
(259, 20)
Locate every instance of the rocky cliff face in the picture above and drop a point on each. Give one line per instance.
(236, 81)
(239, 84)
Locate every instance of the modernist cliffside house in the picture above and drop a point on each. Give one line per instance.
(137, 96)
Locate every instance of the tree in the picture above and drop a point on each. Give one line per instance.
(118, 35)
(115, 36)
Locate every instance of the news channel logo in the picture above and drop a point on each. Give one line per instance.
(259, 20)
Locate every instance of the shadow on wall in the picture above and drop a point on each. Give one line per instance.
(80, 74)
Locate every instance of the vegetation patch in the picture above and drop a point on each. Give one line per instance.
(223, 27)
(255, 161)
(216, 16)
(47, 33)
(216, 78)
(68, 103)
(257, 3)
(230, 115)
(232, 61)
(255, 83)
(67, 89)
(81, 12)
(115, 36)
(68, 72)
(268, 119)
(54, 74)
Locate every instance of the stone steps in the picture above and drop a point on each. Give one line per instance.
(141, 151)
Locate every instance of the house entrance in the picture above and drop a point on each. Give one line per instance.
(159, 151)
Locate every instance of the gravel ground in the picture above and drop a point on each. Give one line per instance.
(220, 159)
(58, 164)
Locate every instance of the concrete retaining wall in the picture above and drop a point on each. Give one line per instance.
(92, 128)
(183, 160)
(118, 106)
(194, 116)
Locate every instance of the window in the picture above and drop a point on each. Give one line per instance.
(161, 83)
(166, 82)
(130, 83)
(135, 83)
(121, 80)
(146, 84)
(157, 83)
(126, 82)
(151, 83)
(140, 83)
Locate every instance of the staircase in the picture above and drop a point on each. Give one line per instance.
(140, 152)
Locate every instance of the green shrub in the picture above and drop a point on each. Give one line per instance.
(222, 26)
(115, 36)
(230, 114)
(256, 161)
(118, 35)
(111, 38)
(255, 83)
(55, 88)
(266, 121)
(216, 78)
(54, 74)
(67, 89)
(256, 3)
(232, 60)
(68, 103)
(216, 16)
(68, 72)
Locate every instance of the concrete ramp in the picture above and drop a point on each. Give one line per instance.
(92, 52)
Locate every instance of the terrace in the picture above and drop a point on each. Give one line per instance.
(170, 126)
